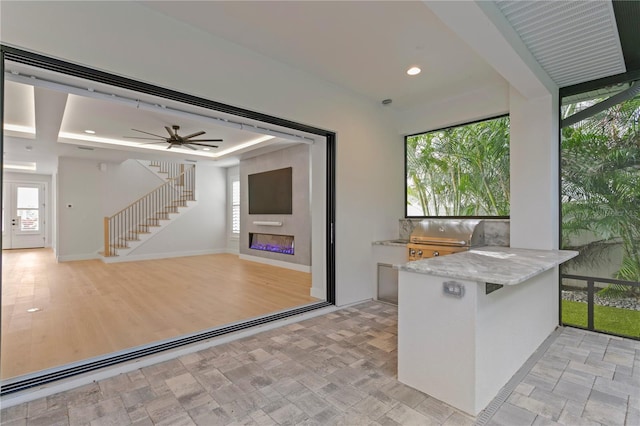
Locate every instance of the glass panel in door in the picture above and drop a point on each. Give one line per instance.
(23, 207)
(28, 208)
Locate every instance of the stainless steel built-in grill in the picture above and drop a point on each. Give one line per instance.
(439, 237)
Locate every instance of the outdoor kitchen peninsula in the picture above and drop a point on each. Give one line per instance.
(468, 321)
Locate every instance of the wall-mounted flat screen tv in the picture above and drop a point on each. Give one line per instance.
(271, 192)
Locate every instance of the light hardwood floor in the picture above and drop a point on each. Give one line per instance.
(88, 308)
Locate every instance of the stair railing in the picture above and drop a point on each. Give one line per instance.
(148, 211)
(172, 170)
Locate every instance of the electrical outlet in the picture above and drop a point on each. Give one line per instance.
(453, 288)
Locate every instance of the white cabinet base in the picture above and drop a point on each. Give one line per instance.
(463, 350)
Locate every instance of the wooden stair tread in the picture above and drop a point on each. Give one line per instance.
(114, 254)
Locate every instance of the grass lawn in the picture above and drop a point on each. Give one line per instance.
(613, 320)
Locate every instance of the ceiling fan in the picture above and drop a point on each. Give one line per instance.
(175, 139)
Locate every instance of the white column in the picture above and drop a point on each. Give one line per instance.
(534, 151)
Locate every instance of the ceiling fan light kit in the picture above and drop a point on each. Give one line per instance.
(175, 139)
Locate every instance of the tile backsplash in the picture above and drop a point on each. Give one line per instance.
(496, 231)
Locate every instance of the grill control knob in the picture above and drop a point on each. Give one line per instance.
(412, 252)
(420, 253)
(436, 253)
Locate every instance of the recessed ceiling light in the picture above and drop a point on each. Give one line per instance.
(91, 132)
(31, 310)
(206, 149)
(413, 71)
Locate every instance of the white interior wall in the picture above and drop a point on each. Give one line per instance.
(94, 194)
(485, 102)
(79, 226)
(369, 197)
(123, 183)
(199, 230)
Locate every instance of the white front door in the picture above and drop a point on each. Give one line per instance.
(23, 215)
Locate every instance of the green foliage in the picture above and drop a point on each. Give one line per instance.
(460, 171)
(625, 322)
(600, 169)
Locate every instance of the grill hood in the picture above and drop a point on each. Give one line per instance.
(449, 232)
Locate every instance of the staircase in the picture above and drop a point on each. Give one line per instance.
(131, 226)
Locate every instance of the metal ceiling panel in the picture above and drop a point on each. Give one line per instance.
(573, 41)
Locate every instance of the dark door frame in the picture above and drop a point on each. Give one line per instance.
(47, 63)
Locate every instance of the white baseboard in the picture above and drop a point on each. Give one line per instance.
(318, 293)
(154, 256)
(279, 263)
(73, 257)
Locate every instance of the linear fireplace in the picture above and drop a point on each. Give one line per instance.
(271, 242)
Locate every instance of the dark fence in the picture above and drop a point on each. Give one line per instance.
(591, 290)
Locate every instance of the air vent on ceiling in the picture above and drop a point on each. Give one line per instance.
(86, 148)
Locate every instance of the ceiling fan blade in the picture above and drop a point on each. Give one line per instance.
(203, 144)
(149, 143)
(193, 135)
(141, 131)
(205, 140)
(173, 135)
(170, 146)
(151, 139)
(189, 146)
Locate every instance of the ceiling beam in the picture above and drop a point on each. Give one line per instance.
(485, 29)
(614, 100)
(49, 110)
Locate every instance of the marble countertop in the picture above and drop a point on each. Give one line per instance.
(499, 265)
(398, 242)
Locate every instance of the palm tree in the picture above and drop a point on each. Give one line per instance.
(460, 171)
(601, 186)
